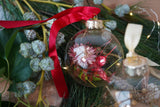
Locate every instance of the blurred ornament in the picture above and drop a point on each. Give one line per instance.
(38, 47)
(29, 16)
(60, 39)
(98, 1)
(134, 66)
(30, 34)
(111, 24)
(121, 10)
(34, 64)
(92, 55)
(147, 95)
(46, 64)
(120, 84)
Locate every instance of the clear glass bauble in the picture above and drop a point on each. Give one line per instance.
(93, 55)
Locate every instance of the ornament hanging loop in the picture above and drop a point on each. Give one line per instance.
(132, 38)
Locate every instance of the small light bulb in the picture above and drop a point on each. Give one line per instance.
(65, 68)
(148, 36)
(158, 23)
(118, 64)
(131, 13)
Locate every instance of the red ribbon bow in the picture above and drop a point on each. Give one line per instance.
(63, 19)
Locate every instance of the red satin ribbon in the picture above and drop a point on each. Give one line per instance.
(63, 19)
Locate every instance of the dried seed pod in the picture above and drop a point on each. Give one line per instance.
(30, 34)
(38, 47)
(47, 64)
(34, 64)
(29, 16)
(25, 49)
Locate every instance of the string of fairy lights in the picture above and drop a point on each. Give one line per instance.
(154, 17)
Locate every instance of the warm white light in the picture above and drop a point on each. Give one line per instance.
(118, 64)
(65, 68)
(148, 36)
(131, 13)
(158, 23)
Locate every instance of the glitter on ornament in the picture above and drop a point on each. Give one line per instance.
(83, 55)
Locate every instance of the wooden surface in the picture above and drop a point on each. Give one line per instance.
(49, 94)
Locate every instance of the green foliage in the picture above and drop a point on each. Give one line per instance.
(9, 44)
(18, 67)
(2, 70)
(21, 70)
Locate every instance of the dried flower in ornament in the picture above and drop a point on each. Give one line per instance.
(29, 16)
(25, 88)
(83, 55)
(34, 64)
(111, 24)
(121, 10)
(50, 22)
(38, 47)
(47, 64)
(98, 1)
(60, 39)
(25, 49)
(30, 34)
